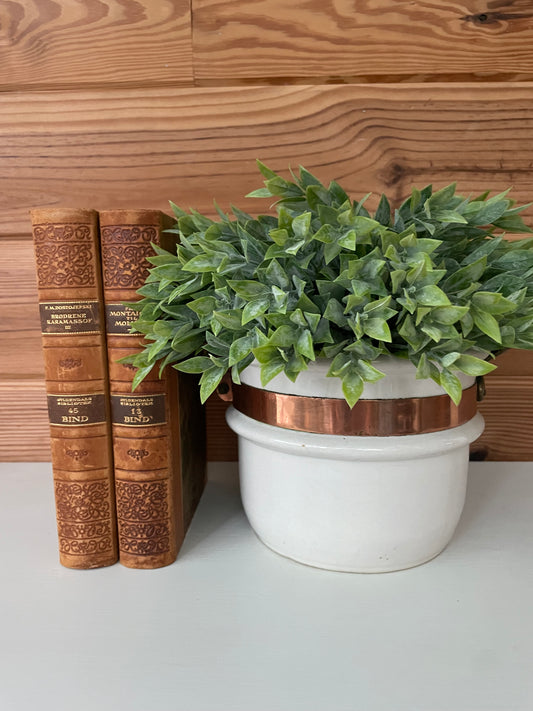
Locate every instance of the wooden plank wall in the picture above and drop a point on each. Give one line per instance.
(122, 103)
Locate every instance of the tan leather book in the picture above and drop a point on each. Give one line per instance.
(159, 429)
(66, 245)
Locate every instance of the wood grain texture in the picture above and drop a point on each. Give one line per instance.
(72, 44)
(508, 413)
(143, 147)
(221, 441)
(269, 39)
(24, 431)
(140, 148)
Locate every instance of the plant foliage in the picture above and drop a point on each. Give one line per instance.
(433, 281)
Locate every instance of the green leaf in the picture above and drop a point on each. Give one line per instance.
(325, 234)
(198, 364)
(265, 353)
(331, 251)
(249, 290)
(367, 371)
(140, 375)
(307, 178)
(489, 213)
(410, 333)
(493, 303)
(448, 216)
(301, 224)
(348, 240)
(203, 263)
(284, 337)
(442, 197)
(204, 306)
(229, 319)
(352, 387)
(512, 223)
(277, 275)
(209, 381)
(255, 308)
(432, 295)
(466, 275)
(295, 364)
(383, 213)
(304, 345)
(423, 368)
(335, 312)
(259, 193)
(486, 323)
(279, 236)
(239, 349)
(271, 368)
(432, 331)
(448, 314)
(378, 328)
(473, 366)
(452, 385)
(267, 172)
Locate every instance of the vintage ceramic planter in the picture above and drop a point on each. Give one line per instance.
(354, 502)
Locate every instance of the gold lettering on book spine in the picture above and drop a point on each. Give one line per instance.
(143, 517)
(83, 517)
(124, 252)
(64, 255)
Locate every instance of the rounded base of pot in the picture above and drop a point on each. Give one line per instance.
(349, 568)
(353, 504)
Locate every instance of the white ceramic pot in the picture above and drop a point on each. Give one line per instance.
(353, 503)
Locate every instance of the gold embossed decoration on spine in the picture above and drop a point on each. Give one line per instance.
(158, 430)
(66, 245)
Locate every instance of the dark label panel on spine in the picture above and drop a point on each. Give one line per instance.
(138, 410)
(76, 410)
(119, 318)
(65, 317)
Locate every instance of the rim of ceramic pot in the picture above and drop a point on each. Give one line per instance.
(353, 447)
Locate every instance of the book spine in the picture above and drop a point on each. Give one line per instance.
(156, 489)
(66, 245)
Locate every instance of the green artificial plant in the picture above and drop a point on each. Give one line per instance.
(433, 281)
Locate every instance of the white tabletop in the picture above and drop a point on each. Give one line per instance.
(233, 626)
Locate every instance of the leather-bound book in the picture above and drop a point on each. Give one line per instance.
(159, 429)
(66, 244)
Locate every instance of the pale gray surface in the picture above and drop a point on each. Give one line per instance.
(233, 626)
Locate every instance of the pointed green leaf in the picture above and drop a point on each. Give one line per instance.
(239, 349)
(448, 314)
(368, 372)
(493, 303)
(304, 345)
(198, 364)
(486, 323)
(140, 375)
(452, 385)
(473, 366)
(209, 381)
(271, 368)
(378, 328)
(431, 295)
(259, 193)
(383, 213)
(352, 387)
(255, 308)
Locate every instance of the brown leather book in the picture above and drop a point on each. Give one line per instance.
(159, 429)
(66, 244)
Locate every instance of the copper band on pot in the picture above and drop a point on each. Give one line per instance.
(378, 418)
